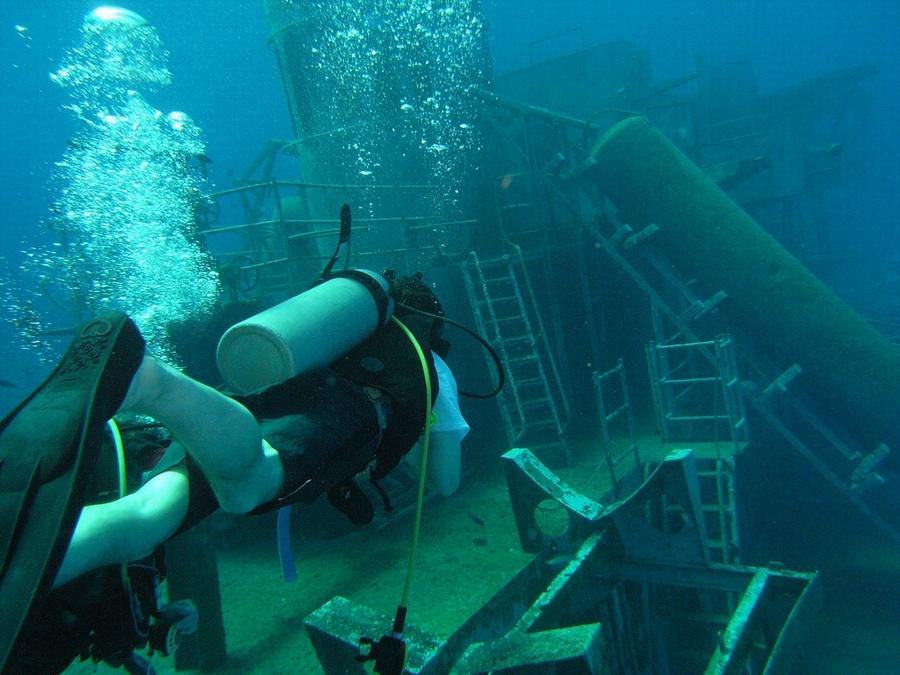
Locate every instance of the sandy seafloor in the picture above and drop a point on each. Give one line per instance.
(469, 549)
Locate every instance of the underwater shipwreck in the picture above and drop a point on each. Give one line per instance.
(603, 232)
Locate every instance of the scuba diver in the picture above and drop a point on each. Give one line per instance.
(308, 435)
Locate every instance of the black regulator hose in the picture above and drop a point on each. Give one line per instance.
(501, 373)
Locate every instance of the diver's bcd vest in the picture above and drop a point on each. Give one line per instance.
(340, 326)
(389, 362)
(386, 361)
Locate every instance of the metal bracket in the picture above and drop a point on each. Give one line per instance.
(641, 235)
(608, 606)
(780, 384)
(532, 486)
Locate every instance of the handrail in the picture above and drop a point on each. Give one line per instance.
(316, 186)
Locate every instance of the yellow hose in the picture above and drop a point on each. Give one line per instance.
(123, 485)
(420, 498)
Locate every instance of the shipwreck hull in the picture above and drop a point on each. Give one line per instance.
(849, 369)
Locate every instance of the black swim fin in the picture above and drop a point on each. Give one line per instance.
(48, 448)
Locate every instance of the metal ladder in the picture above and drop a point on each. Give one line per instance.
(692, 405)
(532, 405)
(849, 470)
(715, 476)
(613, 455)
(676, 396)
(680, 377)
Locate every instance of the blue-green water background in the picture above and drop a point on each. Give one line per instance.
(227, 79)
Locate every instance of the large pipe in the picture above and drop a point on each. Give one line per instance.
(850, 369)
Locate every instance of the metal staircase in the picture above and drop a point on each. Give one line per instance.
(614, 454)
(704, 406)
(692, 400)
(555, 187)
(533, 406)
(715, 476)
(850, 470)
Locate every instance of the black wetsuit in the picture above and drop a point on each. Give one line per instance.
(94, 616)
(325, 426)
(326, 429)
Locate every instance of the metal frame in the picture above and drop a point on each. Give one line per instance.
(273, 261)
(534, 404)
(602, 597)
(613, 457)
(850, 471)
(672, 392)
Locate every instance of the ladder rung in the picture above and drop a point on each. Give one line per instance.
(536, 401)
(509, 314)
(492, 262)
(496, 281)
(522, 359)
(618, 411)
(525, 230)
(688, 380)
(694, 418)
(527, 382)
(499, 272)
(625, 454)
(871, 479)
(548, 422)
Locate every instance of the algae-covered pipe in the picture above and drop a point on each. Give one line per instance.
(850, 369)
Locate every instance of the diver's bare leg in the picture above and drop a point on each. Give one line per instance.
(219, 433)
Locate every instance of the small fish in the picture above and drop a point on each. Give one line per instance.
(479, 541)
(475, 519)
(6, 384)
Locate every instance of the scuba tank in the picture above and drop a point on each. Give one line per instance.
(309, 330)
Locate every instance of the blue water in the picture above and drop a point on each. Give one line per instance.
(227, 79)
